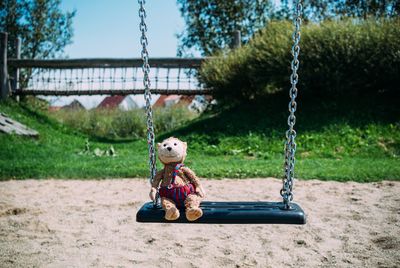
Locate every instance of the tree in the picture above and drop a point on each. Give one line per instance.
(317, 10)
(210, 24)
(43, 28)
(368, 8)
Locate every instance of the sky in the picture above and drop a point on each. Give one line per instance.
(110, 29)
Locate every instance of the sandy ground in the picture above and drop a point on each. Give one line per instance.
(56, 223)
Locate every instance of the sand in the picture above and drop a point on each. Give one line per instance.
(79, 223)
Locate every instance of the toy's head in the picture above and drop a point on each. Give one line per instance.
(172, 150)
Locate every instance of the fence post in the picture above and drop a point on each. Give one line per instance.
(15, 74)
(237, 39)
(4, 90)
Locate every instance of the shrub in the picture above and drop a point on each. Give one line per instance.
(114, 123)
(335, 57)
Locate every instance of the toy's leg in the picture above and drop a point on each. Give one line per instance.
(193, 210)
(171, 212)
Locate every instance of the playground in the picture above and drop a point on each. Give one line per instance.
(239, 151)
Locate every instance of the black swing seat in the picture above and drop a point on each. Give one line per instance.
(231, 213)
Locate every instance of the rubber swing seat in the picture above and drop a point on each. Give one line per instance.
(231, 213)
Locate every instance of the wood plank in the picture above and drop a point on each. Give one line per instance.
(10, 126)
(114, 92)
(107, 63)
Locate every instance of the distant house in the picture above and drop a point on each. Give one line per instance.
(54, 108)
(186, 100)
(167, 100)
(196, 103)
(74, 105)
(124, 103)
(160, 102)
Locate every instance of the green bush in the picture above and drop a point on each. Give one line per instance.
(114, 123)
(336, 57)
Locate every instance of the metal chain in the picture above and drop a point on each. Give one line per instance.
(147, 95)
(290, 145)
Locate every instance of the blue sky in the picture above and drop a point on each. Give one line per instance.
(109, 28)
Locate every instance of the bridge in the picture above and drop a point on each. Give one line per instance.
(96, 76)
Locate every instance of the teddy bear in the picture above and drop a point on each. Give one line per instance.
(179, 186)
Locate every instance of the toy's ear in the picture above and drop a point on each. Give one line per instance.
(158, 145)
(185, 145)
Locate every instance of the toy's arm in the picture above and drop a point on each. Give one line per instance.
(193, 179)
(155, 183)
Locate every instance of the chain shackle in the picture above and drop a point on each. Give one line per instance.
(147, 95)
(290, 144)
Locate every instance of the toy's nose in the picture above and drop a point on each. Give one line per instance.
(169, 148)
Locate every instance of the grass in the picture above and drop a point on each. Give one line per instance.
(334, 143)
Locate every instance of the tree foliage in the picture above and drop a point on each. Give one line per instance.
(210, 23)
(43, 28)
(317, 10)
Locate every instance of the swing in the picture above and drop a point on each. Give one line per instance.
(285, 212)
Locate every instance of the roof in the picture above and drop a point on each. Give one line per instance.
(163, 99)
(54, 108)
(75, 104)
(172, 97)
(111, 101)
(160, 101)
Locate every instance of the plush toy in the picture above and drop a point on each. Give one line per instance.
(179, 186)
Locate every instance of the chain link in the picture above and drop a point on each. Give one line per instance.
(290, 145)
(147, 95)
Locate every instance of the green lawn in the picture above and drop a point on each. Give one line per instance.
(246, 141)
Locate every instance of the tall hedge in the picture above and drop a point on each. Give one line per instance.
(336, 57)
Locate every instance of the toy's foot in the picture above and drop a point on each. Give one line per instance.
(171, 214)
(193, 214)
